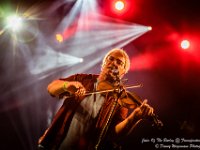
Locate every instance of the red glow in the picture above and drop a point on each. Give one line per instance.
(151, 60)
(142, 62)
(69, 32)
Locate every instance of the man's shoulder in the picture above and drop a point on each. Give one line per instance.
(80, 77)
(87, 76)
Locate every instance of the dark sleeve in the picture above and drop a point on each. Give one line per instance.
(121, 114)
(83, 78)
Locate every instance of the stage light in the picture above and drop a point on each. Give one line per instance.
(59, 38)
(119, 5)
(81, 60)
(149, 28)
(14, 22)
(185, 44)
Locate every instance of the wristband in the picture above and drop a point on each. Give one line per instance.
(65, 86)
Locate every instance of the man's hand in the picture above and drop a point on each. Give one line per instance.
(127, 125)
(76, 88)
(143, 111)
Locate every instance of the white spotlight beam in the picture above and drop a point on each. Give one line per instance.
(71, 17)
(52, 60)
(101, 39)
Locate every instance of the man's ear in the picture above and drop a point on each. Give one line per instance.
(102, 66)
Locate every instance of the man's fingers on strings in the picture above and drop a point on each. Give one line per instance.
(143, 104)
(150, 111)
(146, 109)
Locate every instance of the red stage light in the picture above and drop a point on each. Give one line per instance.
(119, 8)
(185, 44)
(119, 5)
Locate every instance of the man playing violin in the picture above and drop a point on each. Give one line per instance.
(97, 120)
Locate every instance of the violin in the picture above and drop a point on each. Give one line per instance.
(129, 100)
(154, 118)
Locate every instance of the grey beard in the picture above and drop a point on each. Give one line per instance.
(113, 79)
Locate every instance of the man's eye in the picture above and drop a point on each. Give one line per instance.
(111, 58)
(119, 62)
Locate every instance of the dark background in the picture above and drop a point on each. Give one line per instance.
(171, 85)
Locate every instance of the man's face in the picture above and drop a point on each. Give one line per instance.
(114, 66)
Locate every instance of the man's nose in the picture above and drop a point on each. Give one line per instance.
(115, 63)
